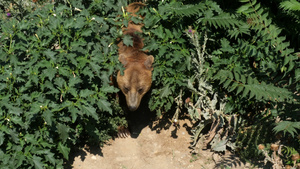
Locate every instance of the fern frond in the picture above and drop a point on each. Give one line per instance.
(250, 87)
(267, 91)
(223, 20)
(291, 5)
(287, 126)
(185, 10)
(289, 151)
(259, 20)
(241, 29)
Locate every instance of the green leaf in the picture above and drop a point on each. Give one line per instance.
(240, 88)
(1, 137)
(233, 87)
(165, 91)
(109, 89)
(50, 54)
(104, 105)
(243, 8)
(236, 76)
(50, 156)
(17, 120)
(64, 71)
(50, 73)
(86, 93)
(245, 92)
(73, 92)
(252, 94)
(63, 132)
(90, 111)
(250, 80)
(227, 83)
(73, 81)
(219, 146)
(127, 40)
(29, 138)
(64, 150)
(50, 86)
(80, 22)
(159, 32)
(186, 10)
(86, 32)
(74, 113)
(15, 110)
(243, 79)
(95, 67)
(136, 20)
(226, 45)
(59, 82)
(72, 58)
(287, 126)
(37, 162)
(292, 5)
(152, 45)
(297, 75)
(151, 20)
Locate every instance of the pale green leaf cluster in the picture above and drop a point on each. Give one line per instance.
(290, 5)
(287, 126)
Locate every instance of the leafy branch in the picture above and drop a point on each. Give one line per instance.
(287, 126)
(291, 5)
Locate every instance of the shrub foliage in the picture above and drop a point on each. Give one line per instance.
(55, 86)
(236, 65)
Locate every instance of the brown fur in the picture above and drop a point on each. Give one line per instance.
(137, 78)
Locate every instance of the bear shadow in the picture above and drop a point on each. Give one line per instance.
(140, 118)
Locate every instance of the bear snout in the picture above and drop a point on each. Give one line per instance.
(132, 108)
(133, 100)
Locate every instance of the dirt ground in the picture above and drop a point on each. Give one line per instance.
(154, 145)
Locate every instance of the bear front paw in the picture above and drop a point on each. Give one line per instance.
(123, 132)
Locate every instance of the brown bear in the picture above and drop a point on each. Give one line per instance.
(137, 78)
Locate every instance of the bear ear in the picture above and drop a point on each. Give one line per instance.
(149, 61)
(122, 59)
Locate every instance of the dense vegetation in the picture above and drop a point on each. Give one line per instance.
(233, 67)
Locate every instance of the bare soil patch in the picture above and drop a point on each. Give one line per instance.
(154, 145)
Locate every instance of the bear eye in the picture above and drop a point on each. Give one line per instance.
(126, 89)
(140, 90)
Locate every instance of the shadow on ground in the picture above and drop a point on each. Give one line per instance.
(155, 142)
(232, 161)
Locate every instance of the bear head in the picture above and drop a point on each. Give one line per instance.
(137, 78)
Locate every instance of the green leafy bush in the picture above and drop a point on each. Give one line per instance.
(258, 73)
(241, 60)
(55, 87)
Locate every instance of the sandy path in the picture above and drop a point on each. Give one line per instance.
(153, 149)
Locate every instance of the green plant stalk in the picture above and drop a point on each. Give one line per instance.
(10, 44)
(70, 7)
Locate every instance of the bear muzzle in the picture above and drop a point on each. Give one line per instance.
(133, 100)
